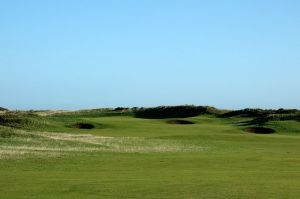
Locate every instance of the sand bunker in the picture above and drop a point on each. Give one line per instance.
(83, 126)
(179, 122)
(260, 130)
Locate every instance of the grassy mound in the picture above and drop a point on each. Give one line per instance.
(260, 130)
(260, 112)
(13, 133)
(179, 122)
(14, 120)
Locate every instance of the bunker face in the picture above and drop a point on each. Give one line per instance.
(83, 126)
(260, 130)
(179, 122)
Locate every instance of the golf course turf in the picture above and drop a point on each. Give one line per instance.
(117, 155)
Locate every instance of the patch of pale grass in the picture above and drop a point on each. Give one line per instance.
(17, 153)
(52, 144)
(52, 112)
(127, 144)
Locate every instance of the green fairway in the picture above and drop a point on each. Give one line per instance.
(128, 157)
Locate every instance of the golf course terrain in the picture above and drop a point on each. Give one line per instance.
(174, 152)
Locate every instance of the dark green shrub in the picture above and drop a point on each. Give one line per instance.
(173, 111)
(3, 109)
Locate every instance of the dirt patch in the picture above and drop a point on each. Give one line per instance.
(179, 122)
(83, 126)
(260, 130)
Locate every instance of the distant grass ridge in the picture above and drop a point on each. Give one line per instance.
(248, 112)
(52, 120)
(262, 116)
(105, 112)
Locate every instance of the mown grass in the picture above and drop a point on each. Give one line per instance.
(127, 157)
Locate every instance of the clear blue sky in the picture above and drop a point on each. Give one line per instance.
(72, 54)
